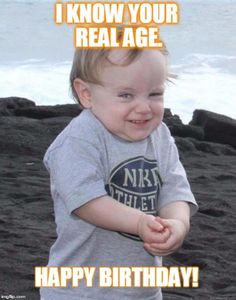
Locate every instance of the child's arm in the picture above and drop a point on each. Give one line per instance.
(107, 213)
(176, 217)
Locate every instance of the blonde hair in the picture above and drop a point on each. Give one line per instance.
(87, 62)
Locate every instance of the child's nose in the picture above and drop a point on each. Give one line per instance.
(142, 106)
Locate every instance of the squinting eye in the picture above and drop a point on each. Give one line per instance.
(125, 96)
(156, 94)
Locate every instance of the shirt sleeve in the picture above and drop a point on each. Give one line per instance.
(76, 172)
(175, 183)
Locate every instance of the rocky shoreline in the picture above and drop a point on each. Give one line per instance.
(207, 147)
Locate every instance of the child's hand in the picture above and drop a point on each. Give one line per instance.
(177, 232)
(151, 231)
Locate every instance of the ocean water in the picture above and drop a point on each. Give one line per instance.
(36, 55)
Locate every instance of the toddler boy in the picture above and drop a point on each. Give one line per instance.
(121, 196)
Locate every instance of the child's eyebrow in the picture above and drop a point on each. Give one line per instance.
(158, 89)
(124, 88)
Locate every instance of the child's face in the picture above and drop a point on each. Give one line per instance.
(130, 102)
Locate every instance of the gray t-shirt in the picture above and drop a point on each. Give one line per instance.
(85, 162)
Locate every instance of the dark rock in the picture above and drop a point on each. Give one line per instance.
(213, 212)
(218, 128)
(171, 120)
(167, 113)
(184, 144)
(29, 129)
(213, 148)
(42, 112)
(177, 128)
(182, 130)
(192, 145)
(15, 106)
(26, 136)
(10, 104)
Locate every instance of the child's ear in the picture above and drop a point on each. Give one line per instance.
(83, 91)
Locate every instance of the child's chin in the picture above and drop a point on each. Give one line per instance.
(141, 136)
(137, 138)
